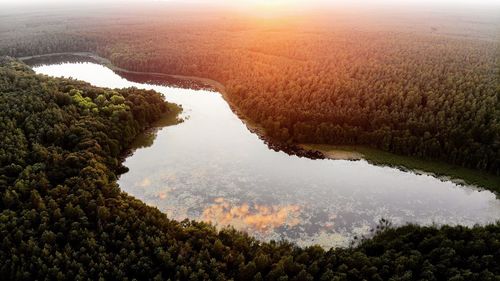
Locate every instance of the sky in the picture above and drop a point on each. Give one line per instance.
(281, 2)
(278, 7)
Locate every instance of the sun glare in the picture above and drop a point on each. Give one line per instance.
(270, 8)
(272, 3)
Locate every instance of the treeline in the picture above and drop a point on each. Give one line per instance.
(63, 217)
(429, 96)
(46, 43)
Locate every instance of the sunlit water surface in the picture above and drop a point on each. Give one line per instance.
(211, 168)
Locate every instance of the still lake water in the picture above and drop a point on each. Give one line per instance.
(212, 168)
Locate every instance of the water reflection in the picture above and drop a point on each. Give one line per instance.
(210, 167)
(252, 218)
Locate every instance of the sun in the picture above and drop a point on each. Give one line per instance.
(269, 4)
(270, 8)
(272, 2)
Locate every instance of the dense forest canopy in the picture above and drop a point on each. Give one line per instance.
(432, 91)
(428, 90)
(63, 216)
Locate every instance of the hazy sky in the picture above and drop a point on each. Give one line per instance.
(280, 2)
(276, 7)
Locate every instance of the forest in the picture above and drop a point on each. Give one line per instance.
(432, 93)
(416, 94)
(63, 217)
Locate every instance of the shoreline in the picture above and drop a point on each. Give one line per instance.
(438, 169)
(199, 82)
(213, 84)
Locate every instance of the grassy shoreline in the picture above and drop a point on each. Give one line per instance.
(437, 168)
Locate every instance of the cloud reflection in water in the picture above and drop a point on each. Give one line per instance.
(251, 217)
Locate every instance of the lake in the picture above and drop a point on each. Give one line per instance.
(212, 168)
